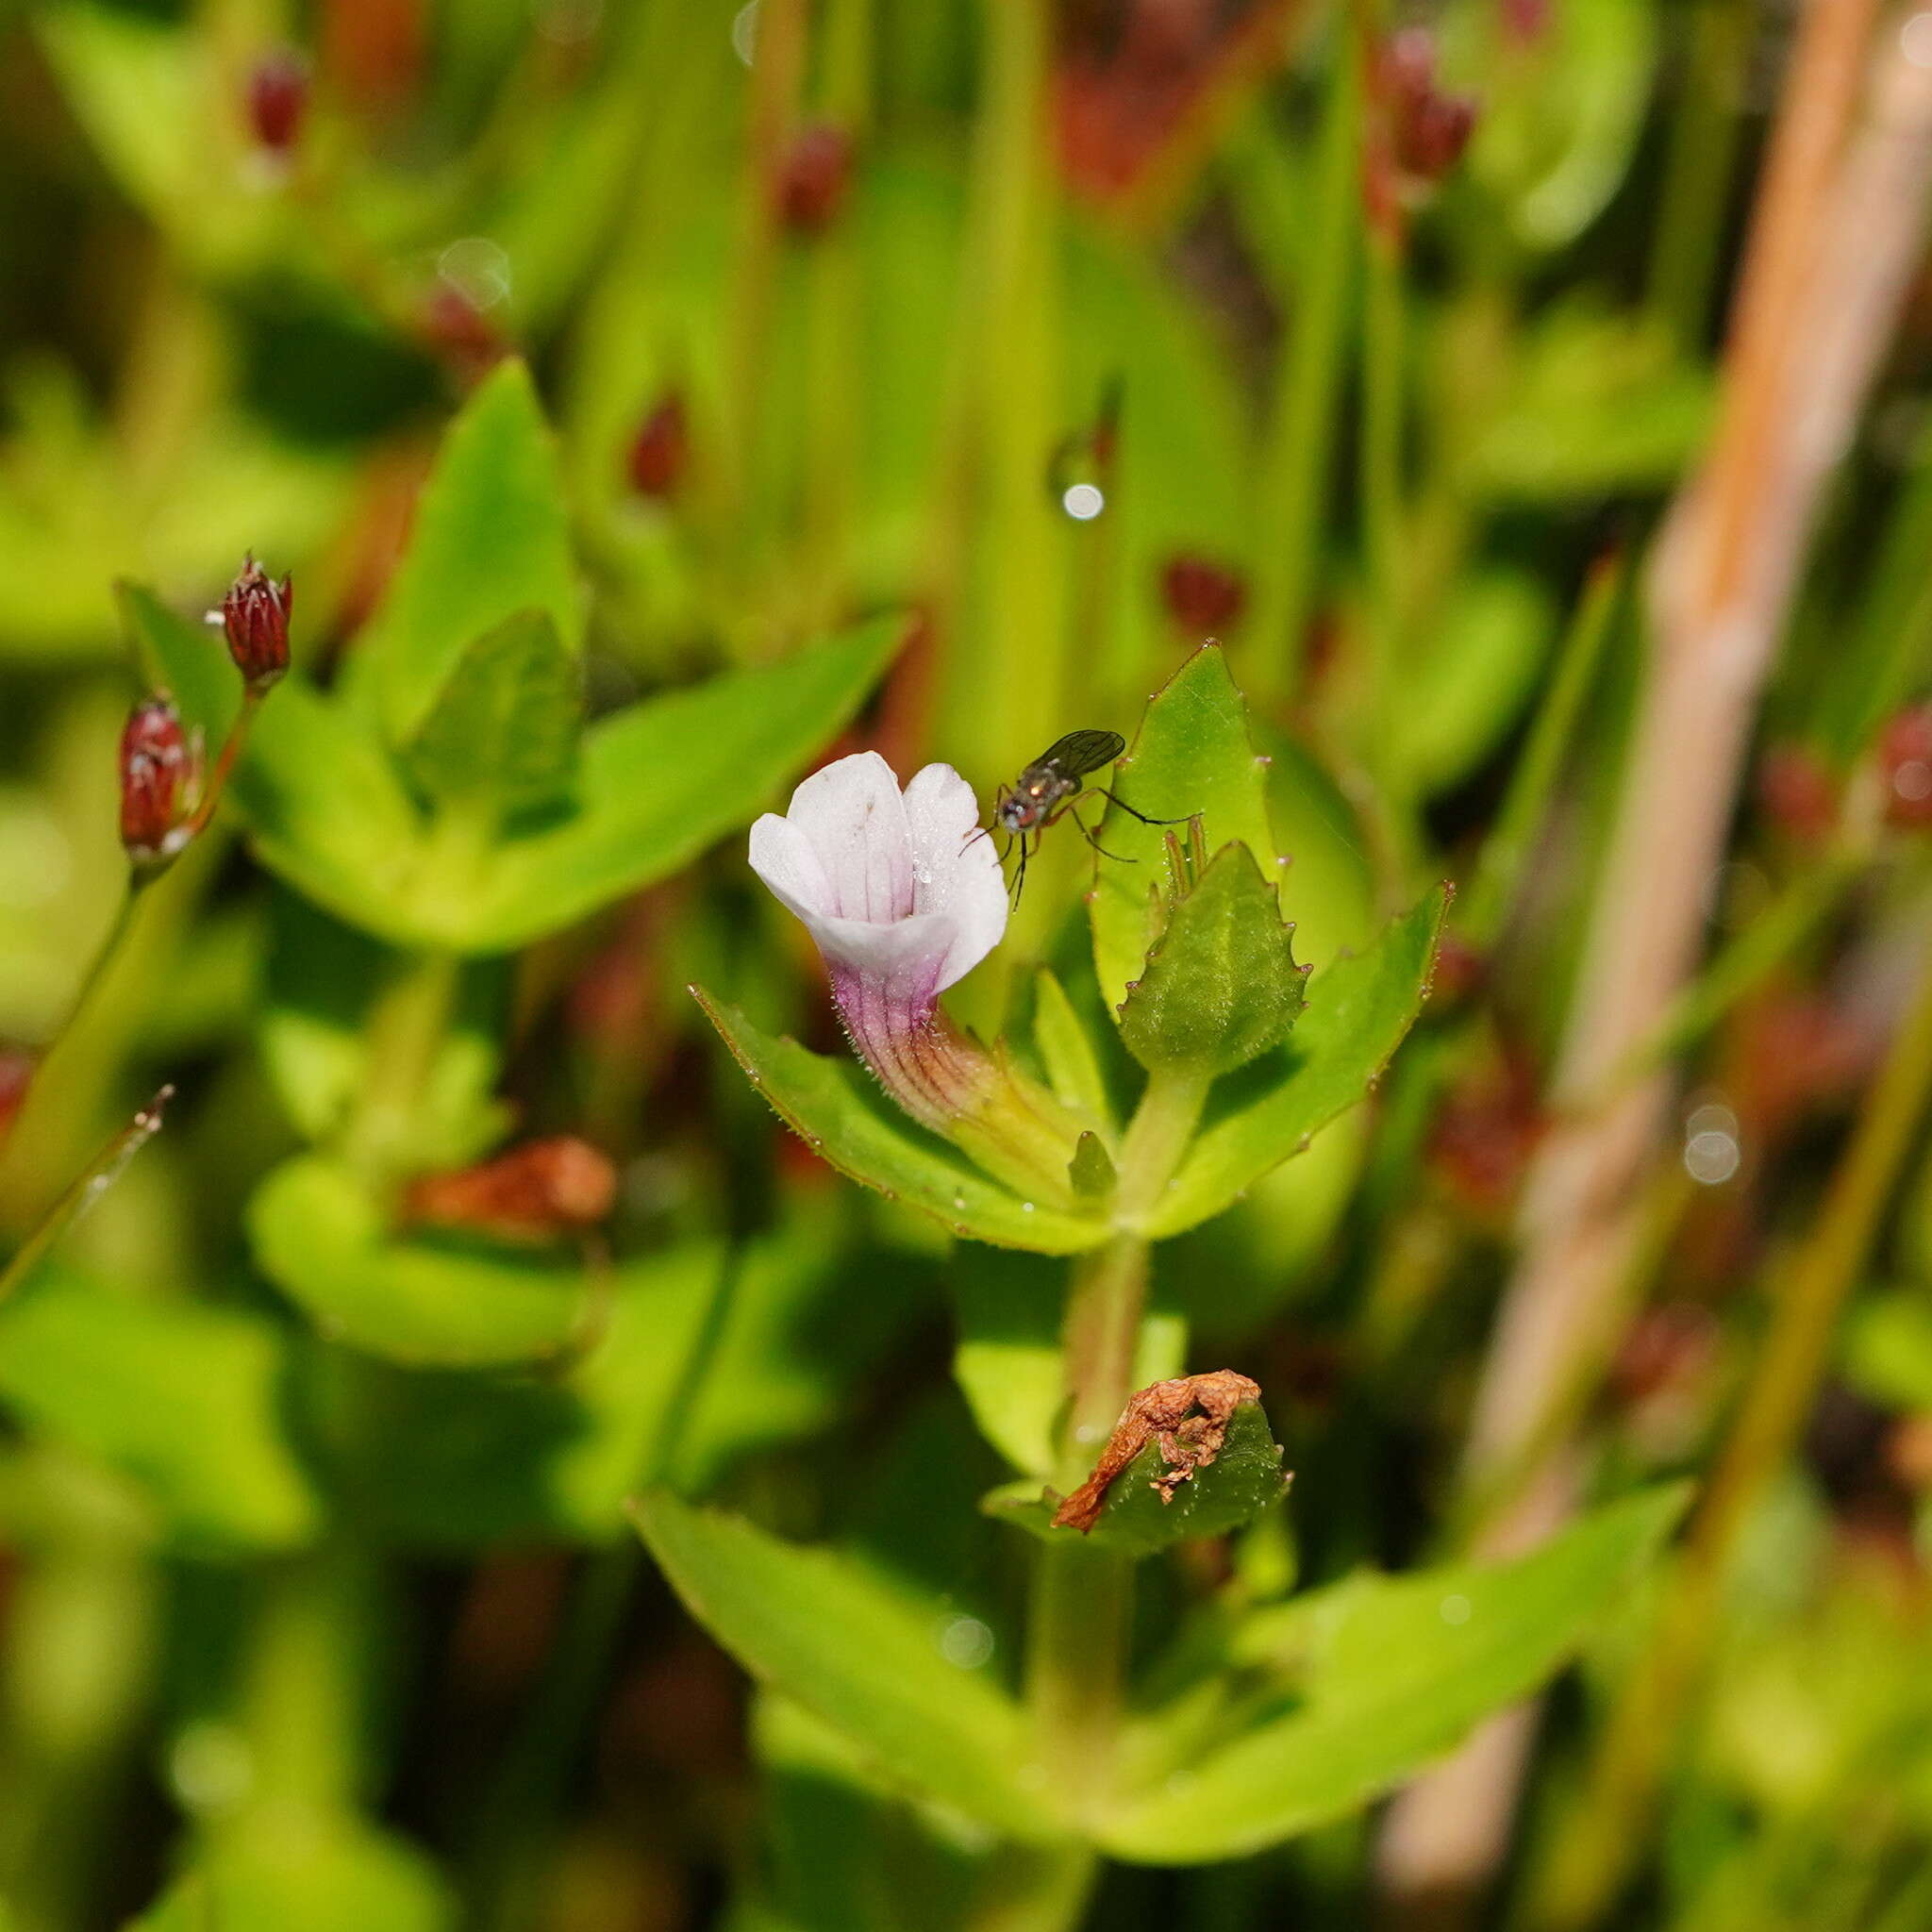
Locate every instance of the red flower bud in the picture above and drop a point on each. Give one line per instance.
(1905, 757)
(457, 329)
(277, 99)
(533, 1192)
(1200, 595)
(814, 174)
(1427, 128)
(16, 1075)
(1797, 793)
(255, 616)
(661, 448)
(158, 769)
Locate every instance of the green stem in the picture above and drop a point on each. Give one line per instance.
(1588, 1865)
(1698, 172)
(1295, 482)
(405, 1035)
(1381, 483)
(1506, 850)
(80, 1194)
(1082, 1601)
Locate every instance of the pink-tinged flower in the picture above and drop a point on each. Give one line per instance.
(904, 899)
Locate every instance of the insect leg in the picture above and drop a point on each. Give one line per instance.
(1086, 834)
(1019, 878)
(1141, 815)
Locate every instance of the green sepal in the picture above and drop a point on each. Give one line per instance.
(1220, 985)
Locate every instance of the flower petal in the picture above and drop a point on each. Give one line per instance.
(782, 856)
(953, 872)
(852, 815)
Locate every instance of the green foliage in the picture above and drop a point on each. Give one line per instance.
(319, 1236)
(860, 1653)
(307, 1874)
(1192, 757)
(1387, 1674)
(839, 1115)
(1220, 985)
(491, 540)
(1358, 1010)
(1244, 1478)
(502, 736)
(189, 1401)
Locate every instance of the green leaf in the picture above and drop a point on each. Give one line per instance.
(1193, 756)
(1358, 1010)
(289, 1870)
(491, 539)
(326, 811)
(188, 660)
(1393, 1672)
(183, 1397)
(325, 981)
(1245, 1478)
(1887, 1348)
(662, 781)
(1473, 676)
(502, 734)
(1009, 1362)
(320, 1238)
(555, 1453)
(1221, 986)
(865, 1657)
(1066, 1051)
(842, 1116)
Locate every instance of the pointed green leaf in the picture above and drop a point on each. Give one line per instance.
(662, 781)
(320, 1238)
(866, 1658)
(491, 538)
(1393, 1672)
(1192, 755)
(183, 1397)
(1358, 1010)
(502, 736)
(840, 1115)
(1220, 985)
(1245, 1478)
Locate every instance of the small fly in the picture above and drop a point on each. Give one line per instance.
(1045, 792)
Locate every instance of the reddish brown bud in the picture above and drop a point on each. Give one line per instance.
(537, 1192)
(277, 99)
(1797, 793)
(661, 448)
(16, 1076)
(1427, 128)
(255, 616)
(1904, 759)
(157, 767)
(814, 174)
(1200, 595)
(457, 329)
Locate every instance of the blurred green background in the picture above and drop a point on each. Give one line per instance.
(1050, 339)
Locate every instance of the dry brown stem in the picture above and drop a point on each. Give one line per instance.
(1836, 228)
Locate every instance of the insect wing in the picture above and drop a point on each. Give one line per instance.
(1080, 752)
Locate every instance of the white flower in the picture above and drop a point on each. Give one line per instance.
(903, 900)
(891, 885)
